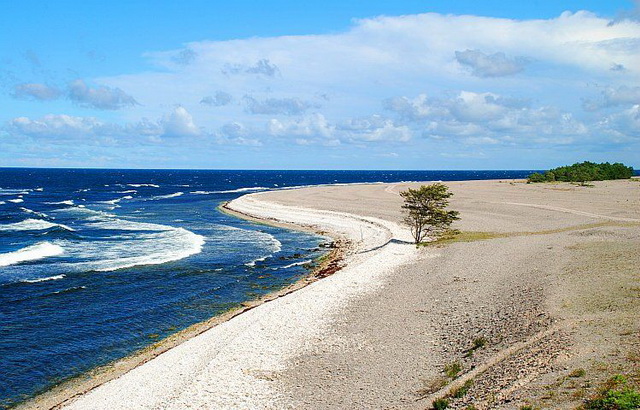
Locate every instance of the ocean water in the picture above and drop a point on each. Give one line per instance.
(96, 264)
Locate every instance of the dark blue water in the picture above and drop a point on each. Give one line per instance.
(96, 264)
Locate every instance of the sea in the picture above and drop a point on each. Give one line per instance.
(96, 264)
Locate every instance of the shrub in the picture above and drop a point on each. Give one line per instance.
(615, 396)
(440, 404)
(452, 370)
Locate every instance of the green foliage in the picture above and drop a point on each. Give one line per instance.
(583, 172)
(615, 395)
(452, 370)
(479, 342)
(578, 373)
(425, 210)
(462, 390)
(537, 177)
(440, 404)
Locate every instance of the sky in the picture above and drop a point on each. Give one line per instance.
(335, 84)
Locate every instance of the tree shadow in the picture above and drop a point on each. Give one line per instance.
(392, 240)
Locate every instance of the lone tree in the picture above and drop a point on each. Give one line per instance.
(425, 212)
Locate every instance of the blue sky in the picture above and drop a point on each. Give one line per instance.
(319, 85)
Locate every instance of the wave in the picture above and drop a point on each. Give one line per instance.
(30, 211)
(68, 202)
(2, 202)
(159, 197)
(128, 191)
(291, 265)
(33, 225)
(16, 201)
(31, 253)
(14, 192)
(125, 225)
(115, 201)
(142, 185)
(56, 277)
(73, 289)
(237, 237)
(232, 191)
(152, 248)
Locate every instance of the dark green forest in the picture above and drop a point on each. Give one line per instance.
(583, 172)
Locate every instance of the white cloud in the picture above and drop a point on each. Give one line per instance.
(493, 65)
(218, 100)
(483, 116)
(179, 123)
(327, 89)
(41, 92)
(55, 126)
(614, 97)
(262, 66)
(275, 106)
(623, 124)
(103, 98)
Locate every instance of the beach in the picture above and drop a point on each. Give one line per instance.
(546, 284)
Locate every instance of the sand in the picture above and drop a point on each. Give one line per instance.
(552, 289)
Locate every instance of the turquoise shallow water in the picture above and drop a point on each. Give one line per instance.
(96, 264)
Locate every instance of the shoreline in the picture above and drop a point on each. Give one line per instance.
(282, 324)
(380, 331)
(66, 391)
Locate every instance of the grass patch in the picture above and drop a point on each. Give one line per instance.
(577, 373)
(614, 395)
(440, 404)
(454, 236)
(478, 343)
(452, 370)
(462, 390)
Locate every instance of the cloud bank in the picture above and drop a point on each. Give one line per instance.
(428, 83)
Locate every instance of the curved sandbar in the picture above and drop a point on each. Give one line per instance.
(232, 365)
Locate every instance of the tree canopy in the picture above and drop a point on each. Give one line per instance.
(584, 171)
(425, 210)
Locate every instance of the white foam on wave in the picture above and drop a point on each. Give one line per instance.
(165, 244)
(266, 242)
(128, 191)
(31, 253)
(68, 202)
(291, 265)
(16, 201)
(33, 225)
(56, 277)
(142, 185)
(159, 197)
(125, 225)
(2, 202)
(14, 192)
(30, 211)
(233, 191)
(115, 201)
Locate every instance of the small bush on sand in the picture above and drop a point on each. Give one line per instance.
(452, 369)
(462, 390)
(440, 404)
(615, 395)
